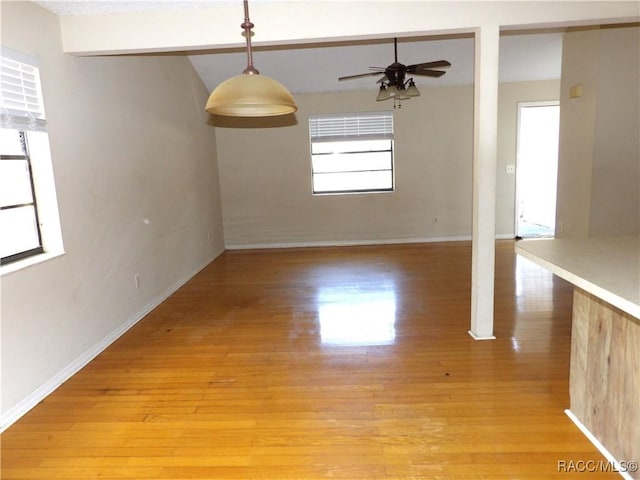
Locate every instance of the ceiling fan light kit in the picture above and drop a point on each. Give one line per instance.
(250, 94)
(394, 84)
(412, 90)
(383, 94)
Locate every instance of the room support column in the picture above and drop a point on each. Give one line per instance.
(485, 133)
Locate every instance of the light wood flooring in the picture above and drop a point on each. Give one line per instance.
(343, 363)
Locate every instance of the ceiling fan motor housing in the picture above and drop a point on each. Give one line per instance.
(395, 74)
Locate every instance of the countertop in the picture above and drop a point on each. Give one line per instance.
(606, 267)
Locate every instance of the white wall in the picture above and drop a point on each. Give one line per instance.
(266, 173)
(599, 157)
(129, 141)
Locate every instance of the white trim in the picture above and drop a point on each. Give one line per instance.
(476, 337)
(9, 417)
(17, 56)
(29, 262)
(351, 243)
(347, 243)
(597, 444)
(505, 236)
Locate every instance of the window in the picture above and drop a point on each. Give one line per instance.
(29, 219)
(352, 153)
(18, 210)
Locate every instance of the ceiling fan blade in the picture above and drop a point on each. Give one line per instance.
(360, 75)
(378, 68)
(428, 65)
(429, 73)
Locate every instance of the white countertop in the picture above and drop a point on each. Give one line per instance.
(606, 267)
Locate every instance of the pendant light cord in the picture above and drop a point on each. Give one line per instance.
(247, 26)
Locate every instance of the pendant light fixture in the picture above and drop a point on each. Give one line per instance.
(250, 94)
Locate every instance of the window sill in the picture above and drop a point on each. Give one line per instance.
(353, 192)
(28, 262)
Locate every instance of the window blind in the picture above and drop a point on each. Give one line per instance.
(21, 105)
(352, 126)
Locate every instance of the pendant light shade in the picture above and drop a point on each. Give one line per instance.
(250, 94)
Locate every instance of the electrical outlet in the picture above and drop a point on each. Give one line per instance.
(436, 219)
(511, 168)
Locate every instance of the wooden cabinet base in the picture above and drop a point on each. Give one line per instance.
(605, 375)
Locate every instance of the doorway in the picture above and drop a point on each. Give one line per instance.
(537, 168)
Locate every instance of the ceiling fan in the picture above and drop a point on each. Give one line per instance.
(394, 84)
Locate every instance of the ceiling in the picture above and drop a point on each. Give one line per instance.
(315, 68)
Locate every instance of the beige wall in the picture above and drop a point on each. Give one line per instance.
(615, 185)
(266, 173)
(599, 160)
(129, 141)
(285, 23)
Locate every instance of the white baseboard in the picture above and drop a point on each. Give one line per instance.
(347, 243)
(477, 337)
(505, 236)
(9, 417)
(350, 243)
(603, 450)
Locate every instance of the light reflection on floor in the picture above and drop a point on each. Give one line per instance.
(352, 315)
(534, 306)
(532, 278)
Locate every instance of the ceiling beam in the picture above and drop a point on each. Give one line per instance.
(285, 23)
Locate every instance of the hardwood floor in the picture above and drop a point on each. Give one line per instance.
(347, 363)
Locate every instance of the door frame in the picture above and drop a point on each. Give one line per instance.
(518, 179)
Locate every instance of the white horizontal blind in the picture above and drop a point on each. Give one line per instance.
(21, 105)
(353, 126)
(352, 152)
